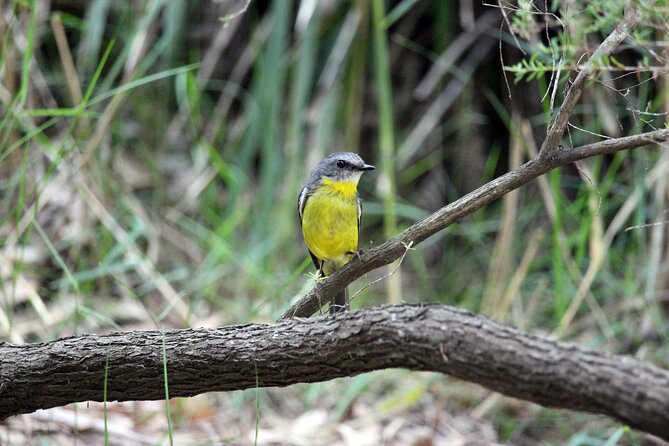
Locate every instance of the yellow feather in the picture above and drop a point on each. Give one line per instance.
(346, 189)
(330, 223)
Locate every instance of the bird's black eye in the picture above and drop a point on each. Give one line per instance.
(341, 163)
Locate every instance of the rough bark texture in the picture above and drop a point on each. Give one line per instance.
(430, 338)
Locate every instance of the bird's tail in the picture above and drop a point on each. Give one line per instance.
(340, 303)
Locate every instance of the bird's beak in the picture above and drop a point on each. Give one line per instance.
(367, 167)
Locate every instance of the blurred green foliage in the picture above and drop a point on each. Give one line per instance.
(151, 153)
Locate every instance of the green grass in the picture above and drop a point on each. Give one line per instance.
(166, 196)
(168, 416)
(104, 399)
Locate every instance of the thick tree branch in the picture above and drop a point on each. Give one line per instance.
(393, 249)
(417, 337)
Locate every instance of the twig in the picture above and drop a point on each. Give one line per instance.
(555, 132)
(399, 263)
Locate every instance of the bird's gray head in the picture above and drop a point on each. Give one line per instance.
(341, 166)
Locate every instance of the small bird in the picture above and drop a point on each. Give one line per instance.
(330, 212)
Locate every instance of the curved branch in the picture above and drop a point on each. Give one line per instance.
(551, 156)
(428, 338)
(393, 249)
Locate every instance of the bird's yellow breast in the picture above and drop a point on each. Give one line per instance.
(330, 221)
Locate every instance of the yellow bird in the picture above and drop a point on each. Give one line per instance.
(330, 213)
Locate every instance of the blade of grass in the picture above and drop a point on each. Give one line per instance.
(27, 59)
(72, 80)
(93, 32)
(512, 291)
(167, 393)
(104, 402)
(269, 89)
(616, 436)
(384, 99)
(502, 255)
(354, 84)
(356, 386)
(71, 279)
(301, 86)
(657, 173)
(257, 426)
(397, 12)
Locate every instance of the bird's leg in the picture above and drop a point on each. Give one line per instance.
(317, 288)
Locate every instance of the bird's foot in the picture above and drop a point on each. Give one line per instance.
(357, 254)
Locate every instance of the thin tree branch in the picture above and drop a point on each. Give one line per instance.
(418, 337)
(549, 158)
(393, 249)
(554, 136)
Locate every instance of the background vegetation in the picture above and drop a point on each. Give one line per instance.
(151, 153)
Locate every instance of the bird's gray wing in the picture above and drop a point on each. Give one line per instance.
(301, 202)
(359, 216)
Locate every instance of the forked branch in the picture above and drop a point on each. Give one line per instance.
(550, 157)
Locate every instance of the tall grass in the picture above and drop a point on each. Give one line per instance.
(151, 153)
(387, 189)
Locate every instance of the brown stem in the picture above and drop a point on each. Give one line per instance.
(552, 141)
(393, 249)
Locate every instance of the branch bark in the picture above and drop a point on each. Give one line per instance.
(428, 338)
